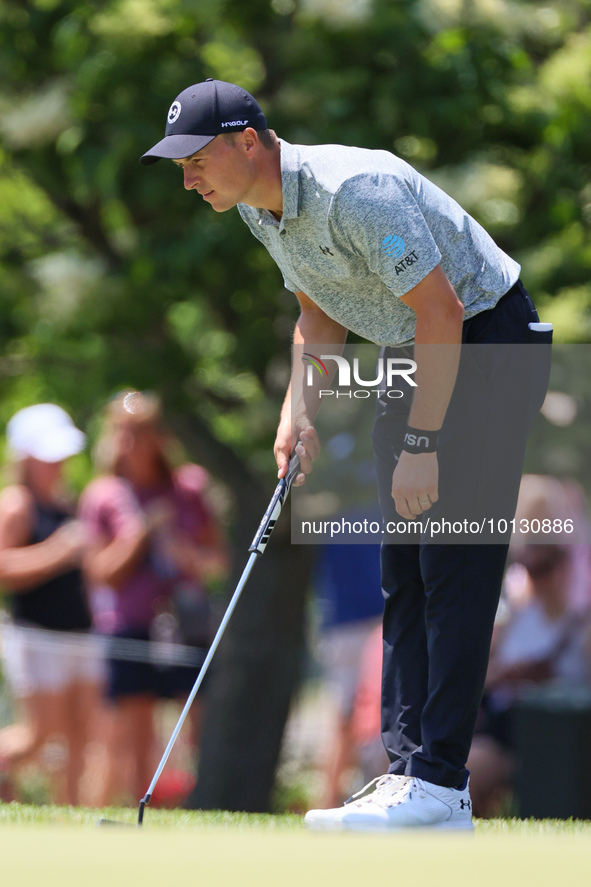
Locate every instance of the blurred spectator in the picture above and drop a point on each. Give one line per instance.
(51, 668)
(348, 588)
(542, 633)
(367, 710)
(153, 545)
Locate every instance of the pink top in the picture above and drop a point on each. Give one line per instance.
(111, 507)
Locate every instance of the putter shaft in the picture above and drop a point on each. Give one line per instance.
(231, 606)
(257, 548)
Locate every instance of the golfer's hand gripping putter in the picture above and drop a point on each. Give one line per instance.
(271, 515)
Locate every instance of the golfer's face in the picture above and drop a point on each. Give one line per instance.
(219, 173)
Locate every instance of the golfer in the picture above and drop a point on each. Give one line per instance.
(368, 244)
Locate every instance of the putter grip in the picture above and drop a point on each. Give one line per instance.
(277, 502)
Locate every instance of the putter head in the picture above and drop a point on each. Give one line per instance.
(144, 801)
(103, 821)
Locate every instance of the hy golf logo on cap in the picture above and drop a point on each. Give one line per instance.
(207, 109)
(174, 112)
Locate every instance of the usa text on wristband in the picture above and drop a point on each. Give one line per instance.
(418, 441)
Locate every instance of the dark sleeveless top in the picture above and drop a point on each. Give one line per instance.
(60, 603)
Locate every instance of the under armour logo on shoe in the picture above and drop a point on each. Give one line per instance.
(464, 804)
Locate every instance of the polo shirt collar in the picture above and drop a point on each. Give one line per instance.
(290, 180)
(290, 187)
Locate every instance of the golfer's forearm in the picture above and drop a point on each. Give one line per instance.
(313, 328)
(437, 353)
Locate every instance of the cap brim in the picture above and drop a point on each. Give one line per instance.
(57, 446)
(176, 147)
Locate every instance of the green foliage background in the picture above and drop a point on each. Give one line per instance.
(111, 275)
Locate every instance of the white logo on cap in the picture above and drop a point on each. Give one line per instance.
(174, 112)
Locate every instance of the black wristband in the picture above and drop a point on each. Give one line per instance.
(417, 441)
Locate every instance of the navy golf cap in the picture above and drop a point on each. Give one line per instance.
(202, 112)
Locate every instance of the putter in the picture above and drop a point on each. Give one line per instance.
(257, 548)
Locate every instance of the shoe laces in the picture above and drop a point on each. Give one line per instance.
(389, 791)
(409, 786)
(379, 791)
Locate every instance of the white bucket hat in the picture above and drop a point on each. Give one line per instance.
(45, 432)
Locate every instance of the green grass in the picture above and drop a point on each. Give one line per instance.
(61, 846)
(29, 814)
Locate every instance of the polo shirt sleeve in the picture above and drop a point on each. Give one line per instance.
(378, 217)
(287, 282)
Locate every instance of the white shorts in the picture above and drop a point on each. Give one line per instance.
(36, 659)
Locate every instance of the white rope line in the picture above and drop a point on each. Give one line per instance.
(106, 646)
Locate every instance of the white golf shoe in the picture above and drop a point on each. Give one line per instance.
(398, 802)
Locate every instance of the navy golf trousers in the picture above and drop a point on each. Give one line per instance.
(441, 599)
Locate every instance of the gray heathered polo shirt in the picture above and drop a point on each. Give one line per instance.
(360, 228)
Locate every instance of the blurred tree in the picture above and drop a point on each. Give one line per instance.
(110, 278)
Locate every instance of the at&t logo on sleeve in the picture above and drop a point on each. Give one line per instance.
(393, 245)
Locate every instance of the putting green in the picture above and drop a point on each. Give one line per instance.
(60, 856)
